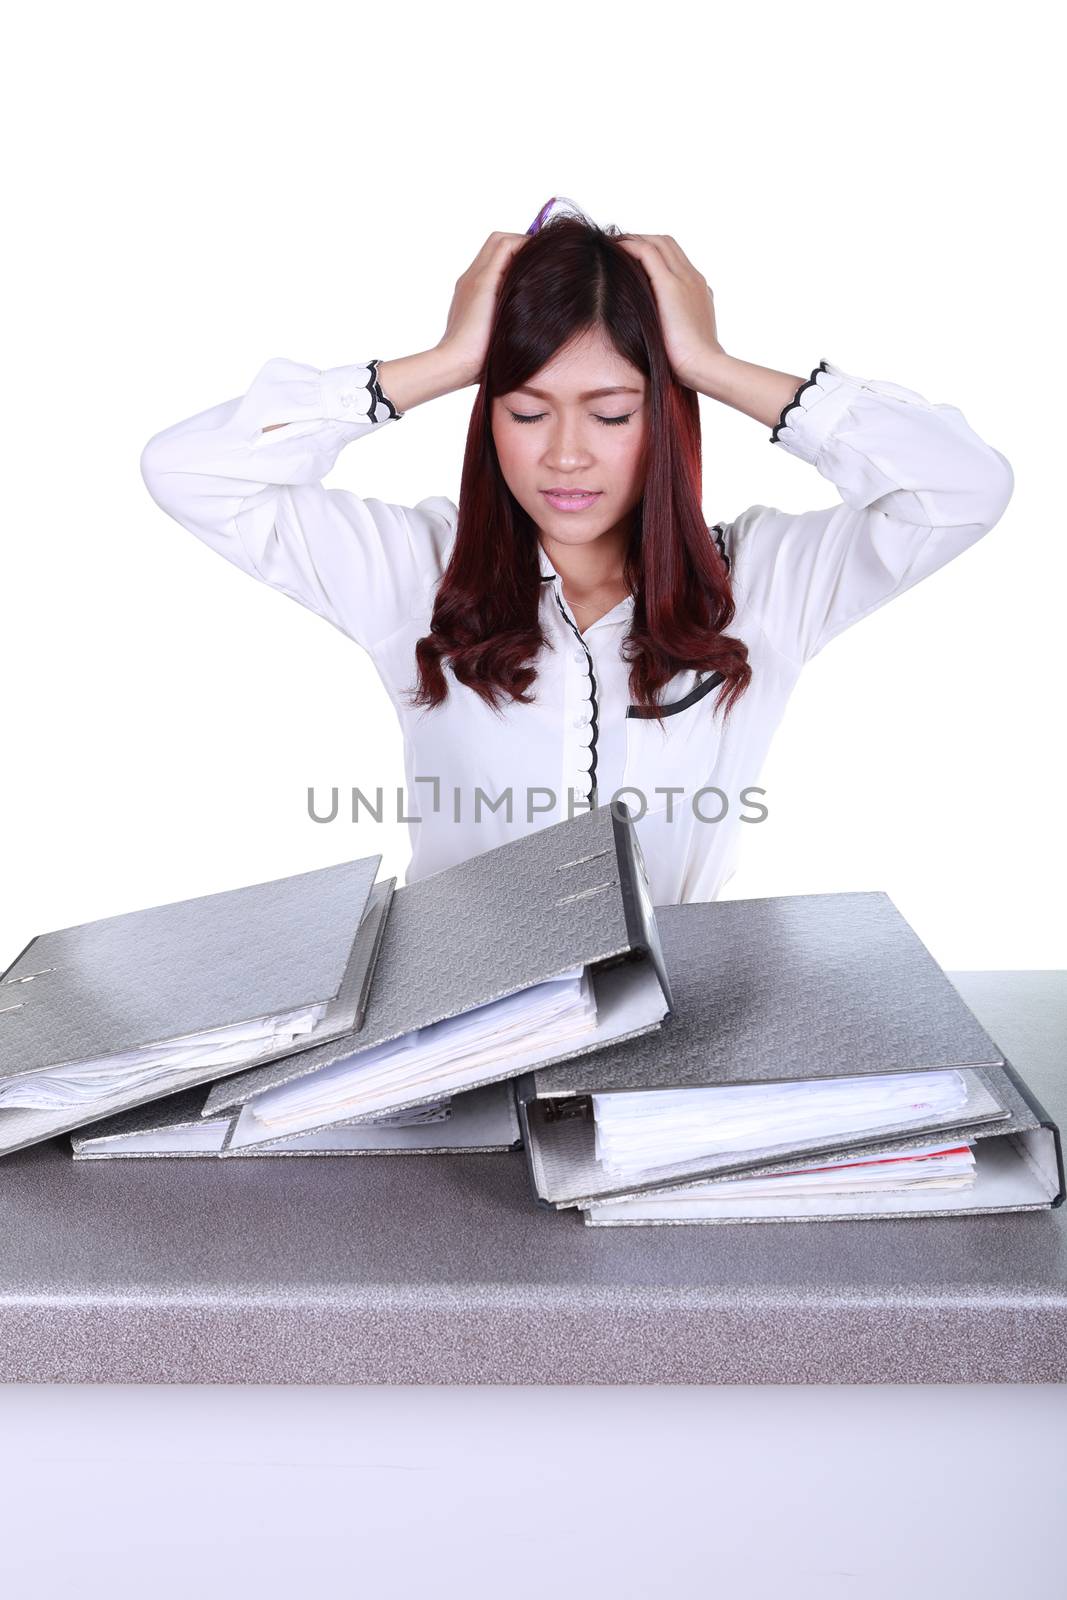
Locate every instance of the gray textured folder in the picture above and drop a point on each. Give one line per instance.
(156, 975)
(575, 892)
(481, 1121)
(765, 990)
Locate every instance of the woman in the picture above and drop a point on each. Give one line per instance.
(573, 631)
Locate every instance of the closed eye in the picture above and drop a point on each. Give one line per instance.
(610, 422)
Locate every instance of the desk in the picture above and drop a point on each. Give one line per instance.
(443, 1270)
(841, 1399)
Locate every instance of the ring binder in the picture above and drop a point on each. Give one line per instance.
(482, 1121)
(794, 989)
(558, 1110)
(520, 934)
(146, 1002)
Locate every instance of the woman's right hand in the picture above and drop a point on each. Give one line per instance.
(470, 316)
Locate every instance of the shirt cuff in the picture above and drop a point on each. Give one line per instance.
(353, 394)
(815, 410)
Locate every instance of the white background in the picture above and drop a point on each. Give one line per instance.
(191, 190)
(631, 1493)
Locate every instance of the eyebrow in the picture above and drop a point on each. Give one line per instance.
(590, 394)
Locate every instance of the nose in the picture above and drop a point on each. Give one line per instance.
(567, 447)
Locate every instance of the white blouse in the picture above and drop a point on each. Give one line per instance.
(917, 486)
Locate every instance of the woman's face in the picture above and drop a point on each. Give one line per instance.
(578, 436)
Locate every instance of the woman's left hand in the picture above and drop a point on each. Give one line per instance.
(685, 303)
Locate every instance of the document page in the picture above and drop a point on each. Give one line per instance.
(442, 1058)
(637, 1133)
(83, 1082)
(925, 1167)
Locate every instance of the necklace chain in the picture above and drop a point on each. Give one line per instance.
(584, 605)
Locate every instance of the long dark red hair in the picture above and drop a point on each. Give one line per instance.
(570, 277)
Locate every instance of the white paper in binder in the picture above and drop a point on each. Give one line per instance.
(441, 1057)
(85, 1082)
(638, 1134)
(935, 1166)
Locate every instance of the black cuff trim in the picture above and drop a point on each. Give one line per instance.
(378, 394)
(781, 423)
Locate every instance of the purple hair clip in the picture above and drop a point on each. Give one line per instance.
(558, 202)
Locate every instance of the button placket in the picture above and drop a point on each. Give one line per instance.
(580, 739)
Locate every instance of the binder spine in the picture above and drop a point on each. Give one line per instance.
(637, 896)
(371, 931)
(12, 964)
(518, 1142)
(1046, 1122)
(525, 1092)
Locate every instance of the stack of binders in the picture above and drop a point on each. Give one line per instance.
(789, 1058)
(818, 1065)
(328, 1014)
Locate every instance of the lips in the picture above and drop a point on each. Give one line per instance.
(571, 499)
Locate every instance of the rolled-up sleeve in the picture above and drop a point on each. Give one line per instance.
(918, 486)
(252, 491)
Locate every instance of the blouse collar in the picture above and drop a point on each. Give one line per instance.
(549, 575)
(547, 569)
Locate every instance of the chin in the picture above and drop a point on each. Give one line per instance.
(575, 525)
(571, 535)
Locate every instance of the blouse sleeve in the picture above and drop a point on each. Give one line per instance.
(257, 497)
(917, 487)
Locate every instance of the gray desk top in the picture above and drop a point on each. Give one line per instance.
(443, 1270)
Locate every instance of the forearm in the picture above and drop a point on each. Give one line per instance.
(411, 380)
(760, 392)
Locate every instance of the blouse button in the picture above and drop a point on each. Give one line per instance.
(584, 720)
(579, 657)
(347, 399)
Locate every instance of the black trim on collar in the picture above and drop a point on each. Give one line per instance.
(781, 423)
(596, 709)
(684, 703)
(720, 539)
